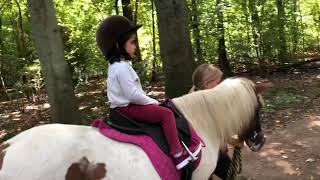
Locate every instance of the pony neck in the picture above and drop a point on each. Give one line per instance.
(221, 112)
(199, 116)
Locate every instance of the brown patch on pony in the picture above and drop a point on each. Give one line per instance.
(3, 152)
(86, 170)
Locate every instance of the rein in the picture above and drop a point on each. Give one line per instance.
(235, 165)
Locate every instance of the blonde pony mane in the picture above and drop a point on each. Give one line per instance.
(223, 111)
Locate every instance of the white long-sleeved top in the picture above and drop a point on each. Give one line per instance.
(124, 87)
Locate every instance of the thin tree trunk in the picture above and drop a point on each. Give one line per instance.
(175, 46)
(196, 32)
(136, 8)
(1, 38)
(48, 41)
(302, 30)
(15, 34)
(154, 76)
(255, 26)
(246, 13)
(223, 60)
(295, 26)
(4, 87)
(116, 6)
(1, 66)
(281, 27)
(318, 34)
(21, 31)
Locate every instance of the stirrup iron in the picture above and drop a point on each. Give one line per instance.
(194, 156)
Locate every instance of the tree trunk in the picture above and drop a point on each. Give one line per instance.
(281, 26)
(223, 60)
(48, 41)
(255, 26)
(126, 8)
(175, 46)
(127, 12)
(244, 6)
(196, 32)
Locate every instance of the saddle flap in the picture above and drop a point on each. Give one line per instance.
(123, 123)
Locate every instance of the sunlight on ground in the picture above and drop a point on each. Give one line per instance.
(37, 107)
(272, 152)
(82, 107)
(88, 93)
(315, 122)
(302, 144)
(46, 105)
(16, 116)
(286, 166)
(269, 153)
(31, 107)
(155, 93)
(4, 115)
(80, 94)
(3, 133)
(93, 92)
(4, 102)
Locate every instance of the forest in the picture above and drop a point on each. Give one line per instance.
(52, 71)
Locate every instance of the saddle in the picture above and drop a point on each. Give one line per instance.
(125, 124)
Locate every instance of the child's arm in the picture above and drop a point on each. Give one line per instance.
(132, 90)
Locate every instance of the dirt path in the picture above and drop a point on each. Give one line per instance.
(290, 153)
(292, 150)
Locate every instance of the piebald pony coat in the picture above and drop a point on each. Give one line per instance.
(47, 151)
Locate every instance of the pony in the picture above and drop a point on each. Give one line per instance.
(60, 151)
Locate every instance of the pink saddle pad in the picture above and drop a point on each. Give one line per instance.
(162, 163)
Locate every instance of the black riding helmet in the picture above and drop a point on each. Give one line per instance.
(111, 33)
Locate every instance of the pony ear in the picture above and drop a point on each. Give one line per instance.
(261, 87)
